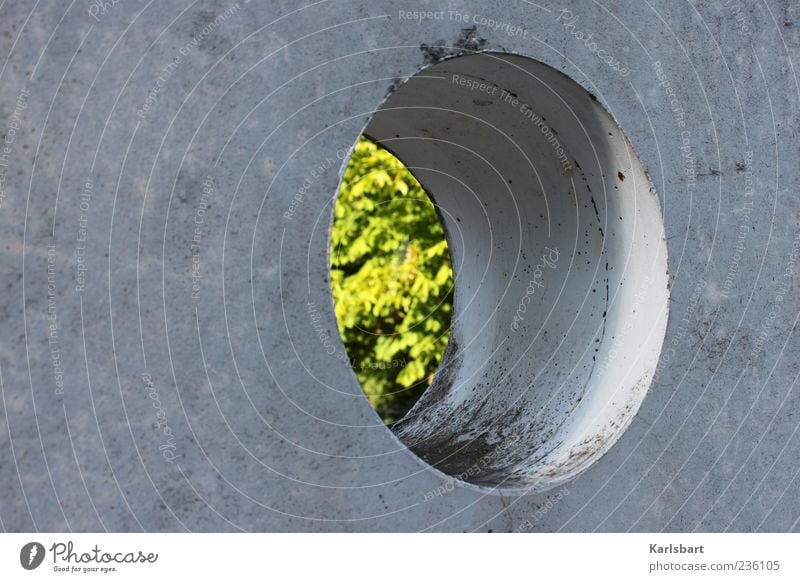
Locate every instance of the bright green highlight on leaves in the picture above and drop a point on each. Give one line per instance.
(392, 279)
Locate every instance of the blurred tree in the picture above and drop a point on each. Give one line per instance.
(392, 279)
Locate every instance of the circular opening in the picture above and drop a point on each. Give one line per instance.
(557, 243)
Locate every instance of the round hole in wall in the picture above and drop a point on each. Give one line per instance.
(558, 247)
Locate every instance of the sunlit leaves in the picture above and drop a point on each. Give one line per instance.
(392, 279)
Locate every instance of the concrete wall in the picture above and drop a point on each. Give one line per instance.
(169, 356)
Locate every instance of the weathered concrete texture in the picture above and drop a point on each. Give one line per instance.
(169, 355)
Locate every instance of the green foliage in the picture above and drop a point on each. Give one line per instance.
(392, 279)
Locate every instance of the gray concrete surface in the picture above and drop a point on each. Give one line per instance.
(169, 356)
